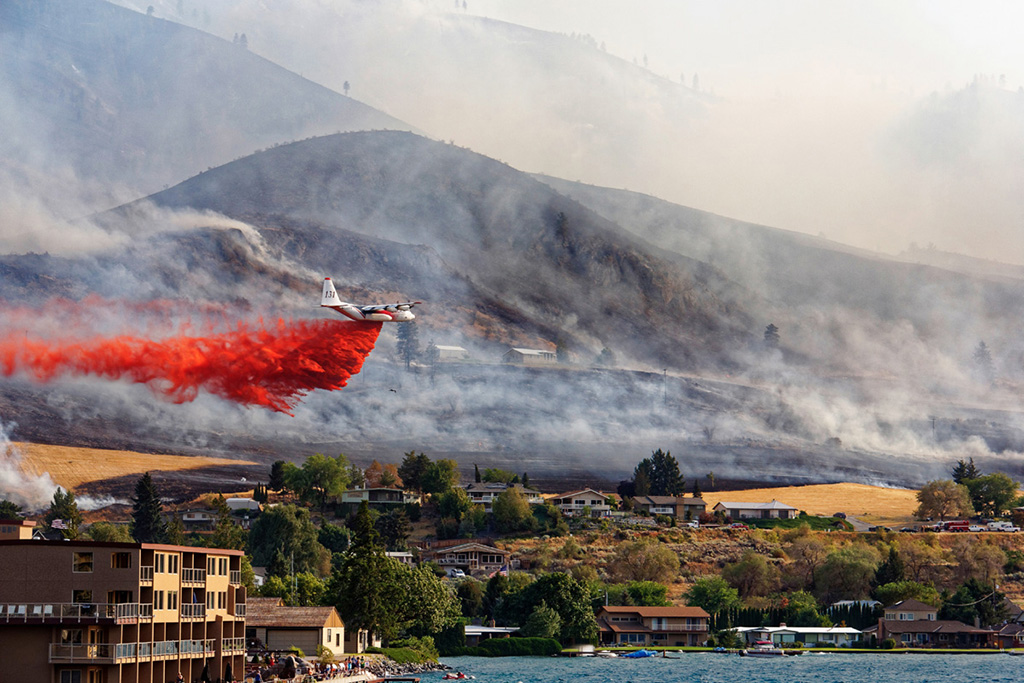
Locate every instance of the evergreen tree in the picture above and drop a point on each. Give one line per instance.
(982, 358)
(891, 570)
(408, 343)
(147, 512)
(412, 469)
(662, 472)
(64, 512)
(965, 471)
(476, 473)
(10, 510)
(227, 534)
(771, 336)
(175, 531)
(277, 480)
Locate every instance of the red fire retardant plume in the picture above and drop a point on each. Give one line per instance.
(272, 366)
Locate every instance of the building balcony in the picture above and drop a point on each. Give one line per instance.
(240, 609)
(196, 648)
(680, 628)
(235, 577)
(49, 612)
(146, 575)
(100, 653)
(193, 610)
(233, 646)
(191, 576)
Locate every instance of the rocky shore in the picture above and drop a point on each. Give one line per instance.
(382, 668)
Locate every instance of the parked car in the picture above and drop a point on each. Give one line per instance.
(693, 524)
(908, 530)
(879, 528)
(840, 515)
(455, 573)
(977, 527)
(737, 525)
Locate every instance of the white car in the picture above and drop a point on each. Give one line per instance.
(455, 573)
(977, 527)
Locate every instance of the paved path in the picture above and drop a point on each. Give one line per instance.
(857, 524)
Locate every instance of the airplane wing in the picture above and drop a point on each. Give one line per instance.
(404, 306)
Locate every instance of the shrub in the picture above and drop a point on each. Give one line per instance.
(888, 644)
(521, 647)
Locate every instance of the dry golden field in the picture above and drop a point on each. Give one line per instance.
(870, 503)
(70, 466)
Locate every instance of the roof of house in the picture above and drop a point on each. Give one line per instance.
(670, 500)
(242, 503)
(928, 626)
(270, 613)
(913, 605)
(577, 492)
(670, 611)
(468, 546)
(496, 487)
(531, 352)
(799, 629)
(774, 505)
(442, 347)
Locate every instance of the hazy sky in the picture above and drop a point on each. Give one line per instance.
(742, 47)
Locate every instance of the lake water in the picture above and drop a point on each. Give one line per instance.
(731, 668)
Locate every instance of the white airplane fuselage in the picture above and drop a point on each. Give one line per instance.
(386, 313)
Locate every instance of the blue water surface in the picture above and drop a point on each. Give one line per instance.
(730, 668)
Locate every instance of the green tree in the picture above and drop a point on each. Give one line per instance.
(643, 560)
(891, 593)
(176, 530)
(992, 494)
(476, 473)
(648, 594)
(752, 575)
(147, 512)
(394, 529)
(289, 530)
(771, 336)
(471, 597)
(412, 469)
(943, 498)
(662, 471)
(408, 343)
(965, 471)
(10, 510)
(606, 358)
(543, 622)
(846, 574)
(890, 571)
(713, 594)
(108, 532)
(320, 478)
(569, 598)
(277, 479)
(975, 600)
(361, 588)
(454, 503)
(430, 602)
(440, 476)
(511, 510)
(64, 511)
(498, 476)
(227, 533)
(333, 537)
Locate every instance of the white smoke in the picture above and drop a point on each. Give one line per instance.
(30, 491)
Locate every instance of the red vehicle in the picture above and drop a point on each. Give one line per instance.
(957, 525)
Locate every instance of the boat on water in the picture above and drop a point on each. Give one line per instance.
(763, 648)
(606, 653)
(638, 654)
(457, 677)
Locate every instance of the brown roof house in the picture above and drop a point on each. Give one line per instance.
(912, 623)
(579, 502)
(680, 507)
(652, 626)
(279, 628)
(469, 557)
(88, 612)
(16, 529)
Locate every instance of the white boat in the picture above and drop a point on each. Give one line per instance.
(606, 653)
(763, 648)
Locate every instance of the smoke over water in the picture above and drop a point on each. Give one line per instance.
(272, 366)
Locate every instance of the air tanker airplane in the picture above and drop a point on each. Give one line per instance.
(386, 313)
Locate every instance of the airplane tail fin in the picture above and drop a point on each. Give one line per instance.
(330, 296)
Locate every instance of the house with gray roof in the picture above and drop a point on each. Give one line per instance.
(772, 510)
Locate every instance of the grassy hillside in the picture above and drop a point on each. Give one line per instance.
(71, 467)
(860, 500)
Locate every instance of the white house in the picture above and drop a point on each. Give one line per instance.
(573, 503)
(806, 636)
(523, 356)
(772, 510)
(451, 353)
(484, 493)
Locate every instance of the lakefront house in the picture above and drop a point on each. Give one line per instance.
(652, 626)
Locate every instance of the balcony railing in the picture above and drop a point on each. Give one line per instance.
(165, 648)
(192, 575)
(146, 574)
(145, 610)
(196, 647)
(233, 645)
(240, 609)
(235, 578)
(100, 653)
(123, 612)
(193, 610)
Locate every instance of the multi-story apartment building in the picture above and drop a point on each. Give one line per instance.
(89, 612)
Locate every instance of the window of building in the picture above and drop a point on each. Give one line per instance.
(210, 565)
(172, 600)
(81, 563)
(82, 596)
(71, 636)
(931, 616)
(172, 564)
(160, 562)
(222, 599)
(71, 676)
(120, 560)
(209, 601)
(158, 600)
(223, 566)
